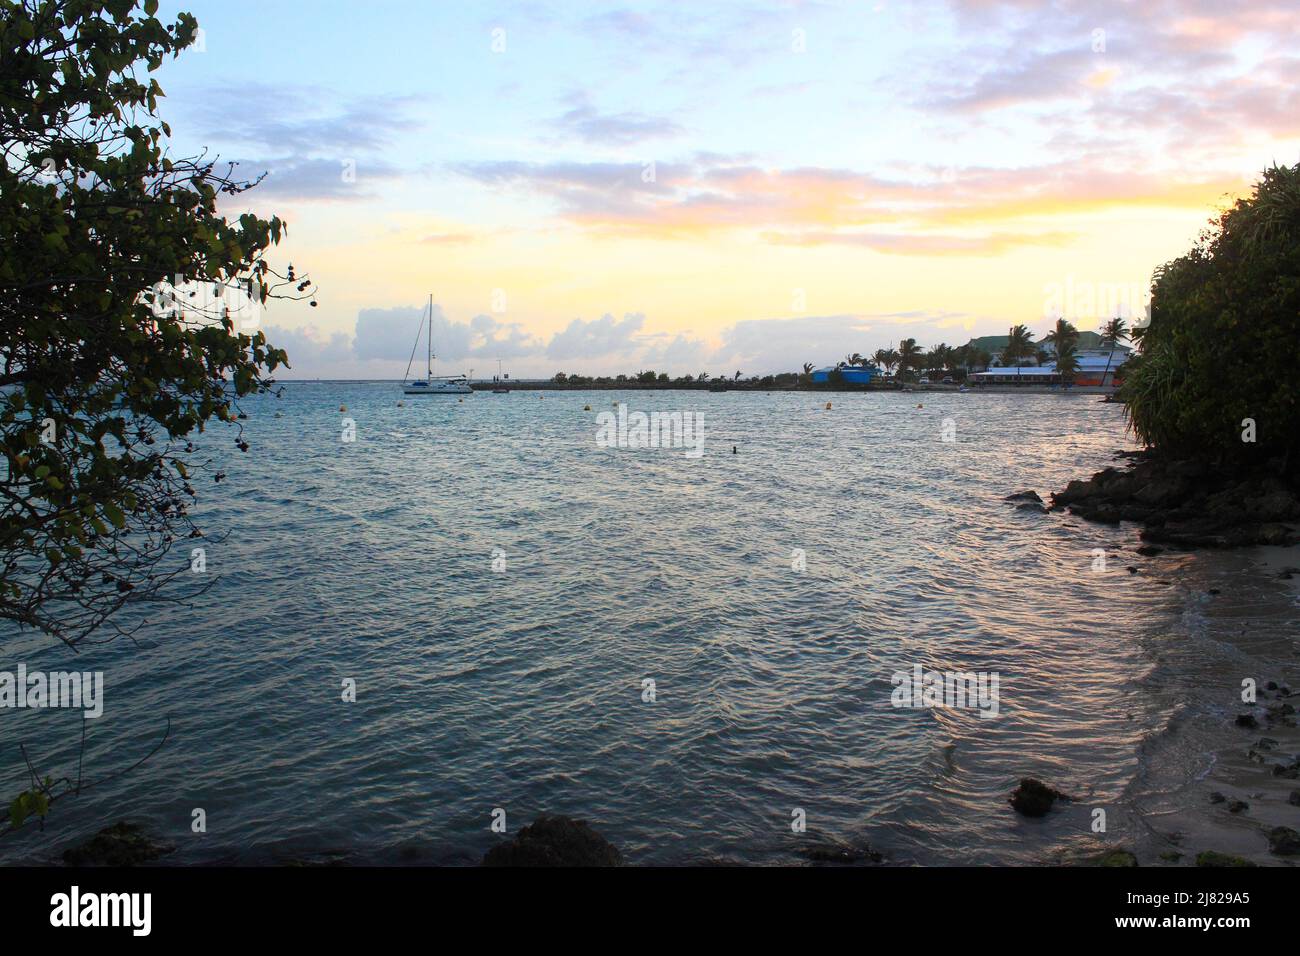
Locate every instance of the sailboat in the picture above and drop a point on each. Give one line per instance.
(499, 383)
(431, 385)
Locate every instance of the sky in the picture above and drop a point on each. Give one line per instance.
(733, 186)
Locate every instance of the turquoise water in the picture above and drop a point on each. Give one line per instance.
(522, 688)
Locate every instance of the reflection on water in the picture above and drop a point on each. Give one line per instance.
(521, 687)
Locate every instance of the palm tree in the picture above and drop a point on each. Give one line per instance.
(737, 378)
(1112, 333)
(909, 356)
(1064, 339)
(702, 377)
(886, 359)
(1020, 344)
(940, 358)
(1067, 362)
(1062, 334)
(807, 373)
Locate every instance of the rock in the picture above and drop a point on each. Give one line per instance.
(1294, 798)
(1116, 857)
(1024, 496)
(1032, 506)
(122, 844)
(1238, 806)
(1033, 798)
(555, 841)
(1149, 550)
(1283, 841)
(1247, 720)
(1217, 797)
(1214, 858)
(835, 853)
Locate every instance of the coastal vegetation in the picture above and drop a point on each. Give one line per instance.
(1212, 393)
(1223, 344)
(117, 342)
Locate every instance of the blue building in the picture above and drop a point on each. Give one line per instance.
(853, 374)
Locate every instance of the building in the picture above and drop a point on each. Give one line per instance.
(853, 374)
(1093, 369)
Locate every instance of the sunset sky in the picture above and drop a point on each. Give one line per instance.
(600, 188)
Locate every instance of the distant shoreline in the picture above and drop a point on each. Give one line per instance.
(523, 385)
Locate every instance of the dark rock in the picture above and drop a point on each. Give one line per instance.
(1247, 720)
(1214, 858)
(1238, 806)
(1294, 798)
(1189, 504)
(1116, 857)
(835, 853)
(122, 844)
(1034, 798)
(555, 841)
(1271, 685)
(1283, 841)
(1032, 506)
(1217, 797)
(1149, 550)
(1024, 496)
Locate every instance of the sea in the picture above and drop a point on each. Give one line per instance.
(430, 619)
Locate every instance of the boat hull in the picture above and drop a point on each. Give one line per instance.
(448, 389)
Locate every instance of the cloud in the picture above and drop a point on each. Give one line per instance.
(906, 244)
(765, 346)
(294, 178)
(587, 124)
(914, 214)
(597, 338)
(307, 151)
(390, 335)
(307, 348)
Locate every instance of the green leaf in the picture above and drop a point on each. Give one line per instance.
(114, 514)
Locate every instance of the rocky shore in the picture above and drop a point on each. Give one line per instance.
(1188, 503)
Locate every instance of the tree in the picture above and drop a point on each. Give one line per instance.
(1063, 334)
(1221, 351)
(886, 359)
(1020, 345)
(112, 368)
(806, 377)
(909, 356)
(1064, 339)
(1112, 333)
